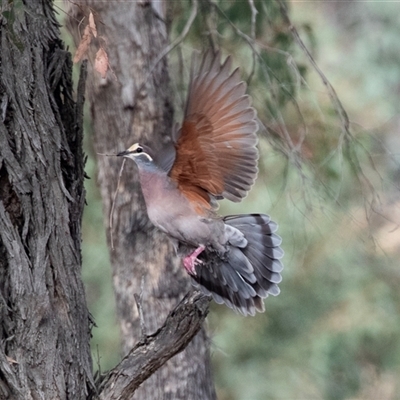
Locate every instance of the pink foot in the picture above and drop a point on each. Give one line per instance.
(190, 261)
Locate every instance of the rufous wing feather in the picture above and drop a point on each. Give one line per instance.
(216, 150)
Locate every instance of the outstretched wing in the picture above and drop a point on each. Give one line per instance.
(216, 150)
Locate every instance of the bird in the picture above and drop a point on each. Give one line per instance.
(236, 259)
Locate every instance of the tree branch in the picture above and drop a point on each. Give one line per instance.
(179, 328)
(331, 91)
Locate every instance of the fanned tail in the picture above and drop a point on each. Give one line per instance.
(251, 270)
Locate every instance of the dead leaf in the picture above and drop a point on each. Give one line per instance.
(92, 24)
(101, 62)
(83, 45)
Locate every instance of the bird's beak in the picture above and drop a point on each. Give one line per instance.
(123, 153)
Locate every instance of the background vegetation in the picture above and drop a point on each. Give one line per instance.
(334, 330)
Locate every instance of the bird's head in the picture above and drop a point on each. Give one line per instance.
(139, 153)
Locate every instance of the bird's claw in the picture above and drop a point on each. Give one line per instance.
(191, 261)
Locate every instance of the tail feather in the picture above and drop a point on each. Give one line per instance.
(242, 264)
(222, 293)
(275, 240)
(248, 274)
(236, 282)
(261, 271)
(234, 300)
(273, 264)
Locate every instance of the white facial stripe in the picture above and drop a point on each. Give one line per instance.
(143, 154)
(134, 147)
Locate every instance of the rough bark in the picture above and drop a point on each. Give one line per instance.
(133, 105)
(44, 332)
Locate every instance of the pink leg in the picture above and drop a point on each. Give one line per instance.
(190, 261)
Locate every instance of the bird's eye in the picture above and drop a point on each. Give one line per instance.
(139, 150)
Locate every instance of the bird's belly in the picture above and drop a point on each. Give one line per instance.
(184, 224)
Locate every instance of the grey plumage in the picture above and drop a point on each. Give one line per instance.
(246, 275)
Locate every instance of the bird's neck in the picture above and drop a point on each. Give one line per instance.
(152, 180)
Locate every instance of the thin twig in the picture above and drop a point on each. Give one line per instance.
(172, 45)
(113, 204)
(331, 91)
(254, 13)
(252, 43)
(139, 304)
(341, 112)
(211, 31)
(179, 39)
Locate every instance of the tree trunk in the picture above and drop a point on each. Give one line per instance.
(133, 104)
(45, 333)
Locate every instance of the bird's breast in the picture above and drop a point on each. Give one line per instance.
(173, 213)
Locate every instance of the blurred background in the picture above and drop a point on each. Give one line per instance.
(333, 332)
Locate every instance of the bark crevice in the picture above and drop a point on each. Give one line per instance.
(43, 314)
